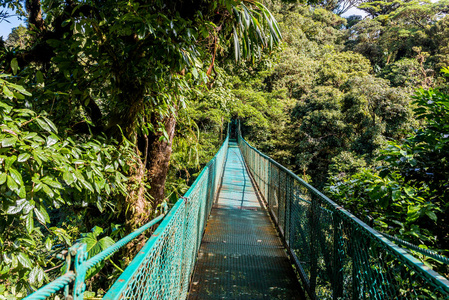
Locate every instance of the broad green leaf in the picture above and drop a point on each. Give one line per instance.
(8, 142)
(22, 191)
(68, 177)
(24, 260)
(51, 140)
(29, 222)
(40, 217)
(44, 213)
(15, 209)
(51, 182)
(48, 243)
(44, 125)
(12, 185)
(9, 161)
(432, 215)
(33, 275)
(39, 77)
(28, 241)
(20, 89)
(18, 95)
(47, 190)
(14, 66)
(5, 107)
(51, 124)
(396, 194)
(2, 178)
(28, 207)
(16, 176)
(23, 157)
(7, 92)
(409, 191)
(29, 135)
(105, 243)
(99, 203)
(96, 231)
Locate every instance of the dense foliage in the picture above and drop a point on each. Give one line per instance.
(90, 114)
(343, 113)
(109, 108)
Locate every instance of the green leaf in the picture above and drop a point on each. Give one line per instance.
(32, 277)
(8, 142)
(51, 140)
(43, 125)
(24, 260)
(9, 162)
(23, 157)
(47, 190)
(2, 178)
(96, 231)
(413, 212)
(18, 95)
(29, 222)
(68, 177)
(16, 176)
(236, 46)
(15, 209)
(52, 182)
(409, 191)
(22, 191)
(44, 213)
(432, 215)
(20, 89)
(39, 77)
(51, 124)
(48, 244)
(88, 295)
(14, 66)
(12, 185)
(28, 208)
(396, 194)
(40, 217)
(29, 135)
(7, 92)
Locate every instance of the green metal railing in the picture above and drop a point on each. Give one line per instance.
(337, 255)
(163, 267)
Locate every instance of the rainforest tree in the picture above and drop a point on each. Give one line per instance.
(99, 72)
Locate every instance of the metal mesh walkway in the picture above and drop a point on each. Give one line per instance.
(241, 255)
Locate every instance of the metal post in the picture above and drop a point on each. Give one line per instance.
(337, 282)
(314, 223)
(79, 250)
(288, 205)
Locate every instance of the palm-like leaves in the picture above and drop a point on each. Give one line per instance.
(255, 30)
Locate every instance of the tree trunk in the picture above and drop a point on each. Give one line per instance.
(153, 170)
(159, 153)
(156, 150)
(35, 14)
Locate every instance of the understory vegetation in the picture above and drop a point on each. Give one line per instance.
(108, 110)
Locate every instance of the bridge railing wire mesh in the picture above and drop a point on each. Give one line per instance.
(163, 267)
(337, 255)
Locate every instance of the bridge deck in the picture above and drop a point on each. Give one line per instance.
(241, 255)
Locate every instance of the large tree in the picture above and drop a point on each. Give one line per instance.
(126, 68)
(100, 71)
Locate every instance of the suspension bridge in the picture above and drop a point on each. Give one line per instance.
(248, 228)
